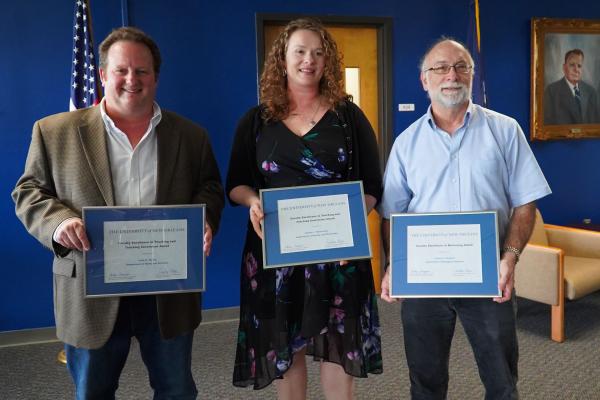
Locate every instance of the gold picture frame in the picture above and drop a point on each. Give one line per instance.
(556, 112)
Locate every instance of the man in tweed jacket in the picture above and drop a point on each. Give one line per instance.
(124, 152)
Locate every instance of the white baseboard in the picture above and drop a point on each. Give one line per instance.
(48, 335)
(225, 314)
(28, 336)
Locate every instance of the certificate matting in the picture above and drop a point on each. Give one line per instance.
(314, 224)
(144, 250)
(444, 255)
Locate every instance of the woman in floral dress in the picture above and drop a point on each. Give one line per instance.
(305, 131)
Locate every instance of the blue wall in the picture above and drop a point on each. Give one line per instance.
(209, 75)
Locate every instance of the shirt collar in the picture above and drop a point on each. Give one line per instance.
(156, 116)
(571, 86)
(467, 118)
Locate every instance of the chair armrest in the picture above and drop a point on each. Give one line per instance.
(574, 242)
(539, 275)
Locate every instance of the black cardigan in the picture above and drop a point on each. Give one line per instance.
(363, 155)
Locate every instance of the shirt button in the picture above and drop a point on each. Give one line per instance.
(453, 180)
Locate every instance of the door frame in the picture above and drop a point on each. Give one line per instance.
(383, 25)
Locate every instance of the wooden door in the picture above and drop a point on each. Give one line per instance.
(358, 46)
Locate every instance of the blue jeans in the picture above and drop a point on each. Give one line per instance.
(491, 329)
(96, 372)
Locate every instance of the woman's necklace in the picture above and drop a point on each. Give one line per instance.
(312, 121)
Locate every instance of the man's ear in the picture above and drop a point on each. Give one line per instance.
(102, 74)
(424, 81)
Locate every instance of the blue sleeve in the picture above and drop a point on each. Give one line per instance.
(396, 192)
(526, 182)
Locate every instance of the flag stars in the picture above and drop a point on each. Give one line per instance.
(83, 82)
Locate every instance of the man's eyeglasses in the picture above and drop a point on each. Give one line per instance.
(443, 69)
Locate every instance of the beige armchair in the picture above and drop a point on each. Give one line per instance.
(558, 262)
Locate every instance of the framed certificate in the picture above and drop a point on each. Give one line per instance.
(444, 255)
(144, 250)
(314, 224)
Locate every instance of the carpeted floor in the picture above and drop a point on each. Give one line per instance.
(548, 370)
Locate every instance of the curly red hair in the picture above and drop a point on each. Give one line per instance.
(273, 82)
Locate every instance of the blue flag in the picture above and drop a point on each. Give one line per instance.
(85, 88)
(474, 46)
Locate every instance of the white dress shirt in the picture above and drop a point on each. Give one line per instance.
(133, 171)
(572, 87)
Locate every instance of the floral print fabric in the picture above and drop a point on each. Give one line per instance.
(327, 309)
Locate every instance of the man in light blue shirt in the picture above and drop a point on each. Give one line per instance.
(462, 157)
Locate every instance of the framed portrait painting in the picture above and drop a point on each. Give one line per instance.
(565, 78)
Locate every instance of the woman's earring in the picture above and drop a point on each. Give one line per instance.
(284, 72)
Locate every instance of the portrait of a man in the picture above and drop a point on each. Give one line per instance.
(571, 79)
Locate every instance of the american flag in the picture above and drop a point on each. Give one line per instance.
(85, 89)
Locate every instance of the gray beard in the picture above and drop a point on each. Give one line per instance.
(454, 101)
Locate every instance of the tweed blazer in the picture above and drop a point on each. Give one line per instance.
(68, 168)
